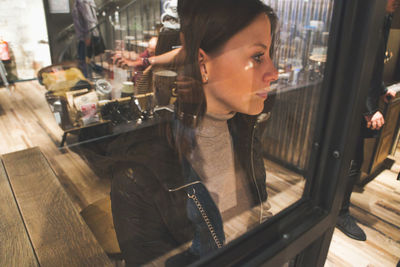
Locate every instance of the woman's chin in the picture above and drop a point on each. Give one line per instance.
(255, 109)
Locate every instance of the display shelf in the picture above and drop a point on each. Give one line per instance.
(160, 115)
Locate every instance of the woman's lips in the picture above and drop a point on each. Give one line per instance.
(263, 93)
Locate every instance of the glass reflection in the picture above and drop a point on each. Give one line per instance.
(187, 180)
(301, 58)
(207, 129)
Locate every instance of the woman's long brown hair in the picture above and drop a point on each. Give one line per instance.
(207, 24)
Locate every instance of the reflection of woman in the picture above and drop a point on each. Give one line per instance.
(182, 184)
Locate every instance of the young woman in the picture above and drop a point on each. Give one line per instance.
(181, 184)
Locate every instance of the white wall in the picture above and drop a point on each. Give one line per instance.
(23, 25)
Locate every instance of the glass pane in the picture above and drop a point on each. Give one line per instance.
(198, 141)
(301, 58)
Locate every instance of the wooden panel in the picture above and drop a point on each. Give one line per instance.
(15, 248)
(98, 217)
(289, 133)
(376, 150)
(388, 132)
(58, 233)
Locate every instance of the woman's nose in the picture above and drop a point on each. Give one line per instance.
(271, 74)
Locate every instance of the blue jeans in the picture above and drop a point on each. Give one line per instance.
(82, 52)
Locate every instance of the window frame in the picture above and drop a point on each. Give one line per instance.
(304, 230)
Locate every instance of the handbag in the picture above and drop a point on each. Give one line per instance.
(97, 44)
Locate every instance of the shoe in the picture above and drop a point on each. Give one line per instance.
(347, 224)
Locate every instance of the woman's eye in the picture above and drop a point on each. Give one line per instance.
(258, 57)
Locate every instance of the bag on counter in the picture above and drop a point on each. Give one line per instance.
(86, 105)
(97, 45)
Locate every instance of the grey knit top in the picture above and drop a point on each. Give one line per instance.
(214, 161)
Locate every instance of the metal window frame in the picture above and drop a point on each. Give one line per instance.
(304, 230)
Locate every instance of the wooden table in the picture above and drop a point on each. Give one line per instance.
(39, 224)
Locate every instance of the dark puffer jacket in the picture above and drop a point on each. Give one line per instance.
(377, 88)
(149, 191)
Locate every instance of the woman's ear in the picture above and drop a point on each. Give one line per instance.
(203, 59)
(202, 56)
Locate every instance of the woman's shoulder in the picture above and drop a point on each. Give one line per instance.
(149, 155)
(139, 139)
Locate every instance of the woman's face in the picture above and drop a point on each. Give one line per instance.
(239, 74)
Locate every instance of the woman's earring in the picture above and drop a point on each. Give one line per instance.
(205, 78)
(203, 70)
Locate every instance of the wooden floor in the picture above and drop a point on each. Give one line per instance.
(377, 208)
(26, 121)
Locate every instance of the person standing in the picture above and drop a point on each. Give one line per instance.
(371, 123)
(141, 62)
(85, 22)
(179, 182)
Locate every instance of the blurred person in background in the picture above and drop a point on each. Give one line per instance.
(371, 123)
(85, 21)
(138, 62)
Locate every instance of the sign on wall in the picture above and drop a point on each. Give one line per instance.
(59, 6)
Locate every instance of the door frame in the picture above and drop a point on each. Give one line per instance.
(303, 231)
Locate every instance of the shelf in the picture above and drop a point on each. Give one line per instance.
(161, 114)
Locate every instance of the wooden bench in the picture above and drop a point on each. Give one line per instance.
(39, 225)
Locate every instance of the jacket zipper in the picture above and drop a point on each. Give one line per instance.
(183, 186)
(252, 169)
(206, 219)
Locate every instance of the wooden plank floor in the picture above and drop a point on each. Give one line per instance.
(17, 251)
(377, 209)
(26, 121)
(59, 235)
